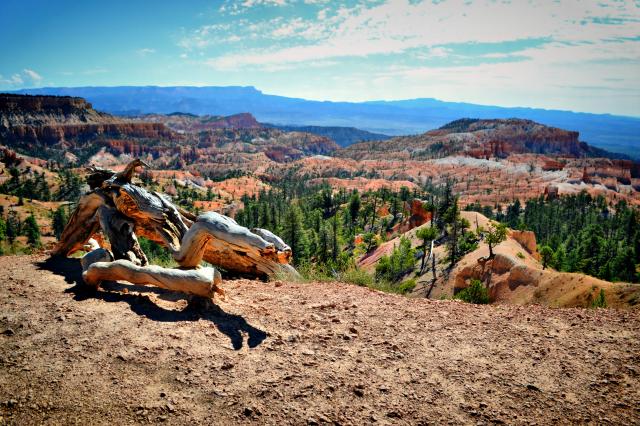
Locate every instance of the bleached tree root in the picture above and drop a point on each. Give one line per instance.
(202, 282)
(97, 255)
(120, 211)
(221, 241)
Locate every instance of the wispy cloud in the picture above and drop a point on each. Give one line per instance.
(145, 51)
(26, 77)
(397, 26)
(455, 49)
(32, 75)
(14, 80)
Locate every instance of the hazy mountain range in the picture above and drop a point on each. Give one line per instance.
(614, 133)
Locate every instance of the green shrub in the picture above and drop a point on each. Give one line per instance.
(157, 254)
(407, 286)
(520, 255)
(600, 301)
(400, 262)
(357, 276)
(315, 272)
(476, 293)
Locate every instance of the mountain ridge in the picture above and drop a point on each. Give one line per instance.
(615, 133)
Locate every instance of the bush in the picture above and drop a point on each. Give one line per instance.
(476, 293)
(315, 272)
(156, 254)
(358, 277)
(407, 286)
(520, 255)
(400, 262)
(600, 301)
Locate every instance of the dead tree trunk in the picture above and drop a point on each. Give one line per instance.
(122, 210)
(200, 282)
(433, 270)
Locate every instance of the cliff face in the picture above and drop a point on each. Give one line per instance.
(50, 127)
(53, 104)
(52, 134)
(32, 121)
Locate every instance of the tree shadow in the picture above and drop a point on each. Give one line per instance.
(233, 326)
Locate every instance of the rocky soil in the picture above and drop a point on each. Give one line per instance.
(301, 353)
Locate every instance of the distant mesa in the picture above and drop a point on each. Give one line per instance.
(412, 116)
(484, 139)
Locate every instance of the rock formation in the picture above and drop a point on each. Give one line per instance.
(480, 139)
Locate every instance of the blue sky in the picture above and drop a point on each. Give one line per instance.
(575, 55)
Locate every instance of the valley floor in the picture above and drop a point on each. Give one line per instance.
(283, 353)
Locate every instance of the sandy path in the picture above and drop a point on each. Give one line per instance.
(317, 353)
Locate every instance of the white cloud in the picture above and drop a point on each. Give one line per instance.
(26, 78)
(578, 44)
(34, 76)
(252, 3)
(145, 51)
(398, 25)
(14, 80)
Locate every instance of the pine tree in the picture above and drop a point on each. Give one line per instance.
(560, 258)
(14, 226)
(3, 229)
(323, 244)
(59, 221)
(494, 235)
(546, 255)
(624, 265)
(294, 234)
(334, 238)
(354, 207)
(32, 232)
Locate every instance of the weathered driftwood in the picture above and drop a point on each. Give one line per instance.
(221, 241)
(120, 231)
(98, 254)
(122, 211)
(200, 282)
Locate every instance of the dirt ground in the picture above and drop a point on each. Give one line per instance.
(316, 353)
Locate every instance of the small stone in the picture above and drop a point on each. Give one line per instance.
(532, 387)
(9, 332)
(226, 366)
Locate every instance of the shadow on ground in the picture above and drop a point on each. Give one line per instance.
(234, 326)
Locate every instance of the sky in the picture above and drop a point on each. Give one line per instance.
(571, 55)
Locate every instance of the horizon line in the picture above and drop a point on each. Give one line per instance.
(326, 100)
